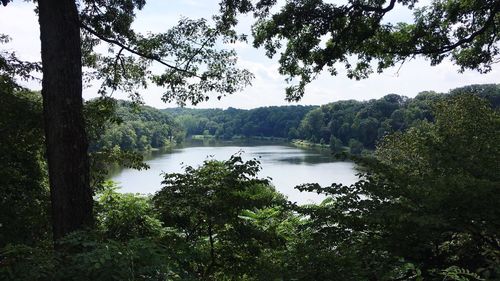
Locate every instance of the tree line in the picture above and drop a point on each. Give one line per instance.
(350, 125)
(274, 121)
(360, 125)
(449, 199)
(138, 127)
(425, 209)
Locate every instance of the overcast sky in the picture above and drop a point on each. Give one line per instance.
(19, 21)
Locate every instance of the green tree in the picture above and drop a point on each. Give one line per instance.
(367, 131)
(311, 125)
(24, 194)
(130, 126)
(313, 35)
(447, 171)
(427, 204)
(355, 147)
(226, 214)
(68, 36)
(335, 144)
(89, 257)
(125, 216)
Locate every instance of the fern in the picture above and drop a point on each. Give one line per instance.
(456, 273)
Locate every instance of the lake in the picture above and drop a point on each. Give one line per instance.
(287, 166)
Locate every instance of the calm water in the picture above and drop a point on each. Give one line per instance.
(287, 167)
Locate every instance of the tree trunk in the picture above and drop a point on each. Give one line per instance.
(65, 135)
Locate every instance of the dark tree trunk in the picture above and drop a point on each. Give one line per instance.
(64, 124)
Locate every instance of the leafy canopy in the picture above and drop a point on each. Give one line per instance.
(313, 35)
(426, 207)
(188, 60)
(194, 66)
(226, 215)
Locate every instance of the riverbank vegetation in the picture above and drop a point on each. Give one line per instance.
(344, 126)
(425, 206)
(221, 221)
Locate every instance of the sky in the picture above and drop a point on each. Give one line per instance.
(19, 21)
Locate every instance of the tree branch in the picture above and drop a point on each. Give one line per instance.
(135, 52)
(367, 8)
(470, 38)
(198, 51)
(115, 67)
(212, 250)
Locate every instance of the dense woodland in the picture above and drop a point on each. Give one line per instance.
(425, 206)
(274, 121)
(221, 221)
(351, 125)
(135, 127)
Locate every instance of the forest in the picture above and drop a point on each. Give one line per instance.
(353, 126)
(220, 221)
(424, 206)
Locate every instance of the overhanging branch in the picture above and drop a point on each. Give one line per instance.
(367, 8)
(135, 52)
(468, 39)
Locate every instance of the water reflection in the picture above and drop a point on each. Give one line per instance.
(287, 166)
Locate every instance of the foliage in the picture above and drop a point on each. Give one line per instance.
(125, 216)
(218, 222)
(11, 67)
(313, 35)
(336, 144)
(23, 174)
(274, 121)
(485, 91)
(428, 200)
(70, 34)
(362, 124)
(312, 124)
(189, 55)
(459, 274)
(100, 114)
(24, 194)
(134, 127)
(226, 215)
(355, 147)
(356, 124)
(84, 256)
(424, 209)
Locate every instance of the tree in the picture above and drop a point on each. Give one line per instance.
(447, 172)
(24, 205)
(367, 131)
(68, 36)
(336, 144)
(355, 147)
(125, 216)
(427, 205)
(226, 215)
(311, 125)
(312, 35)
